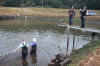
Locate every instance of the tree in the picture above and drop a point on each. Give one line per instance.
(91, 4)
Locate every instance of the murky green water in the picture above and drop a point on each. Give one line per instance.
(48, 34)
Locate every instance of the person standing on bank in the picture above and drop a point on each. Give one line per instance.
(83, 14)
(33, 47)
(71, 13)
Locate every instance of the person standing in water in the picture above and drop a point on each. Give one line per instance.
(33, 47)
(71, 13)
(83, 15)
(24, 48)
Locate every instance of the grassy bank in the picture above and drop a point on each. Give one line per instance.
(49, 12)
(83, 53)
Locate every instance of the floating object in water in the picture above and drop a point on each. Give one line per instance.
(60, 60)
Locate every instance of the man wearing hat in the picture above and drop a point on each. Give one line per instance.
(33, 47)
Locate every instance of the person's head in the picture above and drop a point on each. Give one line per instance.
(72, 8)
(80, 9)
(84, 8)
(23, 41)
(34, 40)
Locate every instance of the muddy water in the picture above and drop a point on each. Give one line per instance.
(49, 36)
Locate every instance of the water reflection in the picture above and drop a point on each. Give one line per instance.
(33, 59)
(24, 63)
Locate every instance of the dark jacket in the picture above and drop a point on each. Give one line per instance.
(83, 13)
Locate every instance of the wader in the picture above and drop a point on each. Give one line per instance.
(34, 48)
(24, 52)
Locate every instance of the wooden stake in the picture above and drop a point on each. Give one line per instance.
(74, 40)
(68, 38)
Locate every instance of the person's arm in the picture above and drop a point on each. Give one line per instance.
(27, 44)
(85, 12)
(30, 46)
(81, 12)
(74, 12)
(18, 48)
(69, 12)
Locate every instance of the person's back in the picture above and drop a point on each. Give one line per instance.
(24, 49)
(83, 14)
(33, 46)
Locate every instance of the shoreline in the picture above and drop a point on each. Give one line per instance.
(50, 16)
(78, 55)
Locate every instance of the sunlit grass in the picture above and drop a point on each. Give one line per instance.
(49, 12)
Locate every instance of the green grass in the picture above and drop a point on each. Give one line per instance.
(83, 53)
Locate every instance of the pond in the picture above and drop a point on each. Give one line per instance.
(48, 34)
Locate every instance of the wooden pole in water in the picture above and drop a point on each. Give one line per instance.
(68, 38)
(74, 40)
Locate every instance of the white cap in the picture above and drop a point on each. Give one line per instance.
(34, 40)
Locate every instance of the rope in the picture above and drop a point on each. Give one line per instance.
(77, 42)
(9, 53)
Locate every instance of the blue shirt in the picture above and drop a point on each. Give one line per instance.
(32, 44)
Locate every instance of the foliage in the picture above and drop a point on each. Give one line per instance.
(91, 4)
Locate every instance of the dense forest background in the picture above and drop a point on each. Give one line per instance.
(91, 4)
